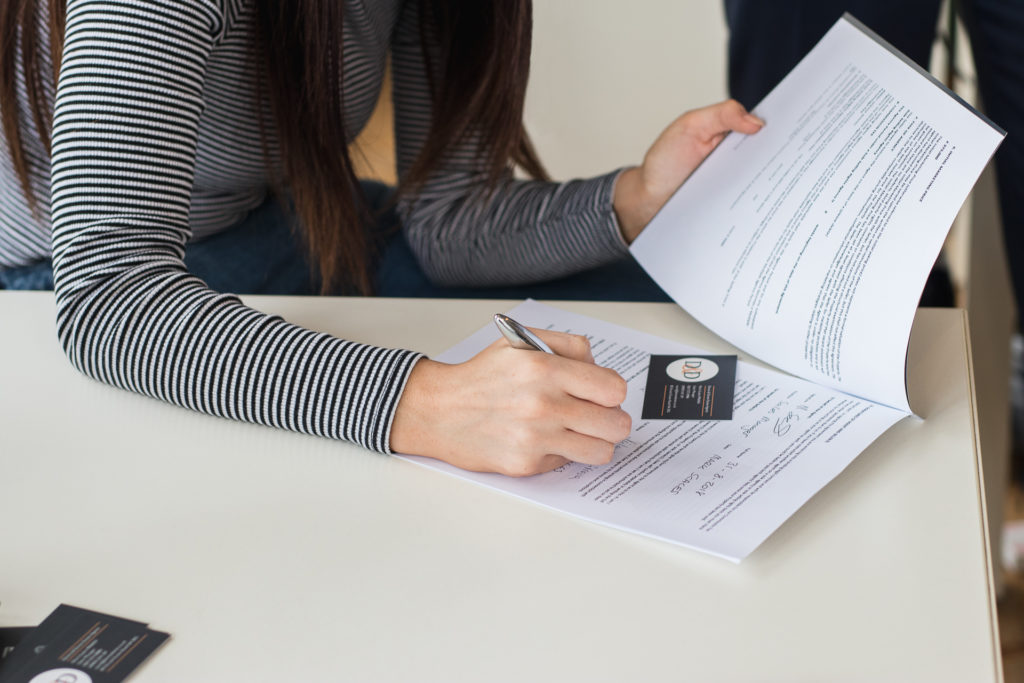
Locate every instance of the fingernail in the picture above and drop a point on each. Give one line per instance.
(754, 119)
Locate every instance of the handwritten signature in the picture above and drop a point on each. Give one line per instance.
(785, 423)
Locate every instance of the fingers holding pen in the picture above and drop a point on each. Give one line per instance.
(566, 345)
(594, 383)
(513, 411)
(582, 448)
(535, 446)
(601, 386)
(576, 416)
(555, 410)
(546, 377)
(611, 424)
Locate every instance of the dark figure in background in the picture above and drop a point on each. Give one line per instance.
(767, 39)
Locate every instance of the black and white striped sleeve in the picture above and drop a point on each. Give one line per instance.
(125, 134)
(524, 232)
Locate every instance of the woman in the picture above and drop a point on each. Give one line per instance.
(172, 118)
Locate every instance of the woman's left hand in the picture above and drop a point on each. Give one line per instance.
(641, 191)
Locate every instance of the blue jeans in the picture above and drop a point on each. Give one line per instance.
(262, 255)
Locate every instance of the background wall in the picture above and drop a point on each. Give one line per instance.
(608, 77)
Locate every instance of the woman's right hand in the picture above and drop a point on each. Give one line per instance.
(512, 411)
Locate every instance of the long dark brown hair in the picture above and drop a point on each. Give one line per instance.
(477, 79)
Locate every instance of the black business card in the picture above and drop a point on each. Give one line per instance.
(690, 388)
(75, 645)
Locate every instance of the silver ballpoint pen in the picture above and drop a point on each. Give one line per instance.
(518, 336)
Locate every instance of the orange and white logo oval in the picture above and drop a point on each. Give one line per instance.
(692, 369)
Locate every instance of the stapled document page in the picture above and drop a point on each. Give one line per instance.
(808, 244)
(719, 486)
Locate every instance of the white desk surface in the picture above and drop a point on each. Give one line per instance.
(271, 556)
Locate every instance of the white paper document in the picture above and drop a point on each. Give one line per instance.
(717, 486)
(808, 244)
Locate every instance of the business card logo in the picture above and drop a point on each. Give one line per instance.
(62, 676)
(692, 369)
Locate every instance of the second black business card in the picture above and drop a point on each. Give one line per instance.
(80, 646)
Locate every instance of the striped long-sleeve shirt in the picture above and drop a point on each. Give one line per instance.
(156, 141)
